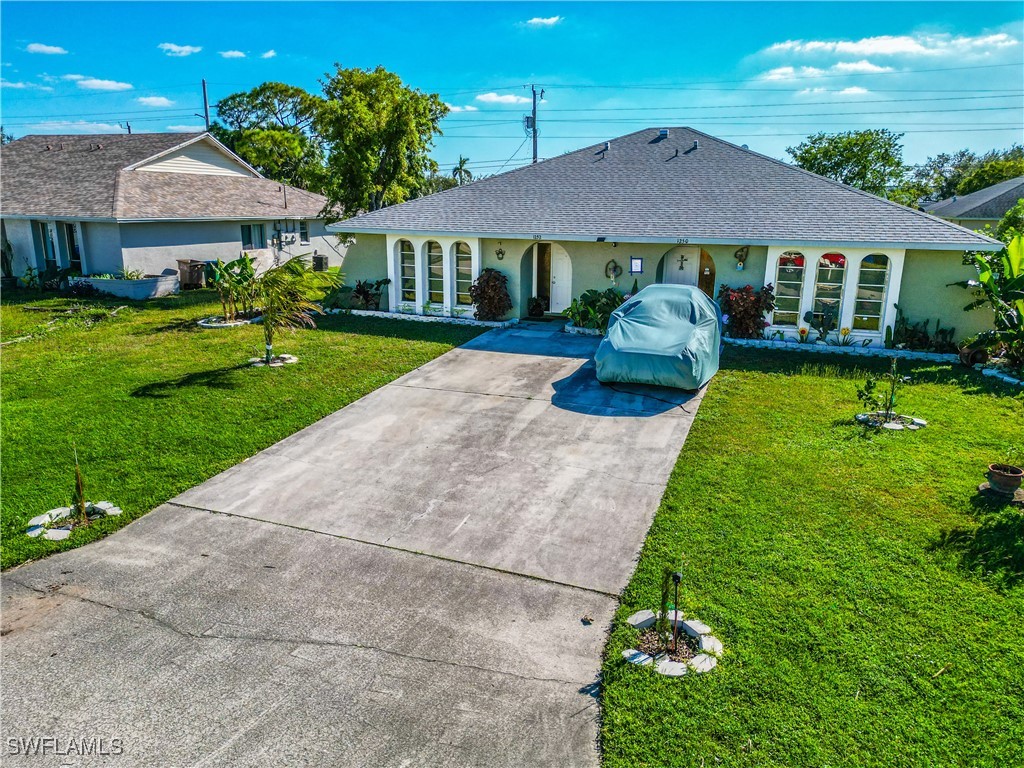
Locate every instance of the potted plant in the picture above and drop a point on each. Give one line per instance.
(1005, 477)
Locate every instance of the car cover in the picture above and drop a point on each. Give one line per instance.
(668, 335)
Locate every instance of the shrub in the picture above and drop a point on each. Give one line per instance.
(743, 310)
(536, 307)
(594, 308)
(366, 295)
(489, 293)
(82, 289)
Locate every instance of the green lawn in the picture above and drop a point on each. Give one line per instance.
(870, 601)
(156, 405)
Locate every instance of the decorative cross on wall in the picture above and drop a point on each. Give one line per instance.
(682, 262)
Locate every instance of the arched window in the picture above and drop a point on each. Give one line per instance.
(435, 273)
(407, 270)
(463, 274)
(789, 287)
(828, 287)
(871, 284)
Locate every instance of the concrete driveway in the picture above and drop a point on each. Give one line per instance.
(400, 584)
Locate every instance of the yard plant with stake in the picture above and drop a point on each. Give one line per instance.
(286, 294)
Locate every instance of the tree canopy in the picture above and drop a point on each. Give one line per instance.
(871, 160)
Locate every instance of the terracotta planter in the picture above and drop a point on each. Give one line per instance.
(1005, 478)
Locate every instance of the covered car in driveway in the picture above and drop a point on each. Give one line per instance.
(667, 335)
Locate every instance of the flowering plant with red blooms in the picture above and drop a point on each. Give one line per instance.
(746, 310)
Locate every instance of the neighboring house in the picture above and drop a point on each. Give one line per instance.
(675, 206)
(101, 203)
(982, 208)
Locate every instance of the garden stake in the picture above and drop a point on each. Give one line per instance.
(676, 578)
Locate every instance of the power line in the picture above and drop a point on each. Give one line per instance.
(742, 135)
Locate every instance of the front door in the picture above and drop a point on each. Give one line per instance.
(561, 281)
(681, 265)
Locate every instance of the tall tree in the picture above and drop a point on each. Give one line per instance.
(940, 176)
(461, 172)
(5, 137)
(271, 128)
(377, 133)
(992, 170)
(871, 160)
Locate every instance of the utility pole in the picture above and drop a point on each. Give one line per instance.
(533, 120)
(206, 106)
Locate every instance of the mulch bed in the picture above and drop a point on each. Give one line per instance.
(650, 643)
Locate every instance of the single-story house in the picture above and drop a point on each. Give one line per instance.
(97, 204)
(982, 208)
(675, 206)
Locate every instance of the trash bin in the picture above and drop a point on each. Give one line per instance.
(191, 273)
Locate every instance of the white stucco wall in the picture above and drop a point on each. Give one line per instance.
(101, 247)
(19, 233)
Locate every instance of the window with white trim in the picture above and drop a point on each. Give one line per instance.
(304, 232)
(828, 287)
(463, 274)
(407, 270)
(789, 288)
(871, 284)
(435, 273)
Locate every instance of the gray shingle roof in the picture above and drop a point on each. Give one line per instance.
(988, 203)
(83, 176)
(646, 187)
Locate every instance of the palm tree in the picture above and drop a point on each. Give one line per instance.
(461, 173)
(284, 295)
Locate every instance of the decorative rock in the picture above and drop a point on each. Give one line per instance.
(918, 422)
(34, 531)
(696, 628)
(710, 644)
(42, 519)
(59, 513)
(103, 505)
(642, 619)
(702, 663)
(113, 511)
(633, 656)
(670, 668)
(893, 426)
(57, 534)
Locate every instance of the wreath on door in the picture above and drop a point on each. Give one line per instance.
(612, 270)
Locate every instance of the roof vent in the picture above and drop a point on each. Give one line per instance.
(663, 133)
(696, 143)
(607, 146)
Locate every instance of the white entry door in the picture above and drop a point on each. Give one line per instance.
(561, 281)
(682, 264)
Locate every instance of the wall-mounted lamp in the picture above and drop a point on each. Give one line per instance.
(499, 251)
(636, 265)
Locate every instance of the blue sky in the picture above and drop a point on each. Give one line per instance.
(948, 74)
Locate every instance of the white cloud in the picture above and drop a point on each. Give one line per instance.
(186, 128)
(901, 45)
(154, 101)
(72, 77)
(550, 21)
(467, 108)
(268, 54)
(853, 90)
(502, 98)
(859, 67)
(19, 85)
(790, 73)
(232, 54)
(172, 49)
(75, 126)
(95, 84)
(49, 50)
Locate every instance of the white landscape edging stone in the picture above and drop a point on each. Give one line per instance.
(39, 525)
(217, 323)
(903, 354)
(710, 646)
(425, 318)
(570, 328)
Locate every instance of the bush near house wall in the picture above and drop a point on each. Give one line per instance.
(745, 309)
(489, 293)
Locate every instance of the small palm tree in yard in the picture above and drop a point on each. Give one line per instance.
(286, 293)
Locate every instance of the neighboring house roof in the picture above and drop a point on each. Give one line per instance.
(988, 203)
(99, 177)
(649, 188)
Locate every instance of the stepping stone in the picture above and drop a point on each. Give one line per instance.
(710, 644)
(670, 668)
(103, 504)
(696, 628)
(919, 422)
(59, 513)
(702, 663)
(42, 519)
(34, 531)
(57, 534)
(642, 619)
(113, 511)
(633, 656)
